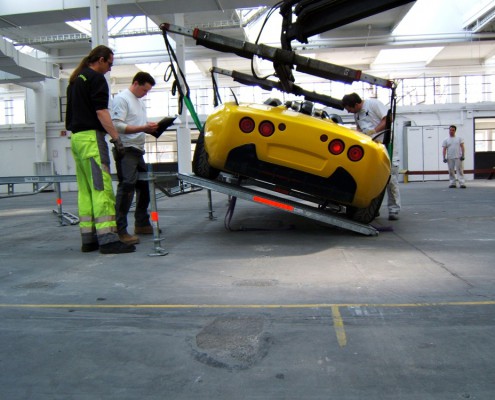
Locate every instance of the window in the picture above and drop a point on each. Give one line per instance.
(484, 135)
(12, 111)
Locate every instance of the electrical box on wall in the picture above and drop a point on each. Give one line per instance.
(423, 152)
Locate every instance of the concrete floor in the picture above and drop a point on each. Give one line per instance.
(287, 309)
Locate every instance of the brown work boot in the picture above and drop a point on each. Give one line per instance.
(128, 239)
(143, 230)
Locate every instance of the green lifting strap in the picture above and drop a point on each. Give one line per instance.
(391, 122)
(193, 113)
(184, 96)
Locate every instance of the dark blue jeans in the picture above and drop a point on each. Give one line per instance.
(128, 168)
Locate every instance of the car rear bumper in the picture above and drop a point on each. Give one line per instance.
(340, 186)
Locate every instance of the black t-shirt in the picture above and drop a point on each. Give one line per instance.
(85, 96)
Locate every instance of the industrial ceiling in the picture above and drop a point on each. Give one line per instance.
(448, 36)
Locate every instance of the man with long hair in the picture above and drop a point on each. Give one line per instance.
(88, 118)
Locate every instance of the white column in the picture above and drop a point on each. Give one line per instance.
(40, 125)
(99, 16)
(184, 158)
(99, 30)
(40, 141)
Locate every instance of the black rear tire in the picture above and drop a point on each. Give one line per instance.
(367, 214)
(201, 167)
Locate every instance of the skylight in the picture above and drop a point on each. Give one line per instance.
(129, 36)
(83, 26)
(271, 30)
(422, 19)
(402, 56)
(116, 26)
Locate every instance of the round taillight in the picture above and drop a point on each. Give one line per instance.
(355, 153)
(336, 146)
(246, 125)
(266, 128)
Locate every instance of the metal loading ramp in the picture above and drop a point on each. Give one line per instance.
(280, 203)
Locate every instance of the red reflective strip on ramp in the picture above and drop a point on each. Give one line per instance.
(273, 203)
(154, 216)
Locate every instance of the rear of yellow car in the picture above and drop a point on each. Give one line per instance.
(298, 151)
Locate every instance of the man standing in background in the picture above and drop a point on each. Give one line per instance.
(129, 117)
(453, 155)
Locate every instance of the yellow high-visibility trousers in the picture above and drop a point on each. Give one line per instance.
(96, 200)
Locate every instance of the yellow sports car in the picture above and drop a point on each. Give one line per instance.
(297, 152)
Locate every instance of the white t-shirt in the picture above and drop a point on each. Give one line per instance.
(370, 115)
(130, 110)
(453, 145)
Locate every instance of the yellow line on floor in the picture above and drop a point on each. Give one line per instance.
(253, 306)
(338, 325)
(338, 322)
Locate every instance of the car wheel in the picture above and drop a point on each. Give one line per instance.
(368, 214)
(200, 160)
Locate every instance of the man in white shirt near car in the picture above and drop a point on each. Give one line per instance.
(129, 117)
(371, 118)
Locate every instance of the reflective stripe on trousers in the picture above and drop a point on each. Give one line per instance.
(96, 200)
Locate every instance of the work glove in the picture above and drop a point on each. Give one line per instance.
(444, 160)
(370, 132)
(119, 147)
(462, 158)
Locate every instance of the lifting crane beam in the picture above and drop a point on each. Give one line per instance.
(285, 57)
(267, 84)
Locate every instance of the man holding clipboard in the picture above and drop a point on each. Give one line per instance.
(162, 126)
(129, 117)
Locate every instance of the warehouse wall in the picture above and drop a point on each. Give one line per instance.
(461, 115)
(17, 147)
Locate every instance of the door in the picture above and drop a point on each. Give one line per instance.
(413, 151)
(484, 147)
(431, 153)
(443, 133)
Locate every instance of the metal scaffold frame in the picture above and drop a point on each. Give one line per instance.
(156, 180)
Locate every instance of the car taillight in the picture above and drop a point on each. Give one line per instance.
(336, 146)
(266, 128)
(355, 153)
(246, 125)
